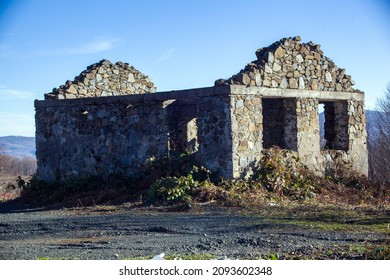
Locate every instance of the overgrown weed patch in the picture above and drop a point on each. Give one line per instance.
(278, 179)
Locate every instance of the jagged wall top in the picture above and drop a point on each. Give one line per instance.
(291, 64)
(104, 79)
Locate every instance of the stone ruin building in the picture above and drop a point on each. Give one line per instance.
(110, 119)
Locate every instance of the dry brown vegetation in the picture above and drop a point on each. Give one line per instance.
(10, 165)
(279, 179)
(14, 175)
(282, 191)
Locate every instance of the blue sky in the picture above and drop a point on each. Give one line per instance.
(178, 43)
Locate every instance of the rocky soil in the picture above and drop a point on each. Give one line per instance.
(127, 232)
(9, 187)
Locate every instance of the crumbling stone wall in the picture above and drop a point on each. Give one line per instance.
(292, 122)
(294, 125)
(290, 64)
(104, 79)
(98, 137)
(118, 134)
(273, 101)
(223, 125)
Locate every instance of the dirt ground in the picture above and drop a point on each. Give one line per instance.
(204, 232)
(133, 231)
(9, 188)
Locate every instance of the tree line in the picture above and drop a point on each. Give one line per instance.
(10, 165)
(379, 140)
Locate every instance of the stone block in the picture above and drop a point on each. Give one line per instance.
(301, 83)
(293, 83)
(239, 104)
(279, 52)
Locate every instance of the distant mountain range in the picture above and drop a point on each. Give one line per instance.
(18, 146)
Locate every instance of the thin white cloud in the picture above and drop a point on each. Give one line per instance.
(89, 48)
(15, 94)
(93, 47)
(166, 55)
(97, 46)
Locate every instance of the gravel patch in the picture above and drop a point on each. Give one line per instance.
(131, 233)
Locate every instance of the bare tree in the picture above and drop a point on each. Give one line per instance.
(379, 140)
(29, 166)
(10, 165)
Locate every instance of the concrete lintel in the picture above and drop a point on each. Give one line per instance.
(193, 94)
(295, 93)
(187, 94)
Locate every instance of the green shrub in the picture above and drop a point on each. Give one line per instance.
(279, 175)
(280, 171)
(172, 189)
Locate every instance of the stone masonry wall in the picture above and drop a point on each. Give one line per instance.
(118, 134)
(223, 126)
(247, 136)
(350, 146)
(272, 101)
(214, 134)
(290, 64)
(308, 134)
(104, 79)
(294, 125)
(290, 124)
(357, 136)
(99, 138)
